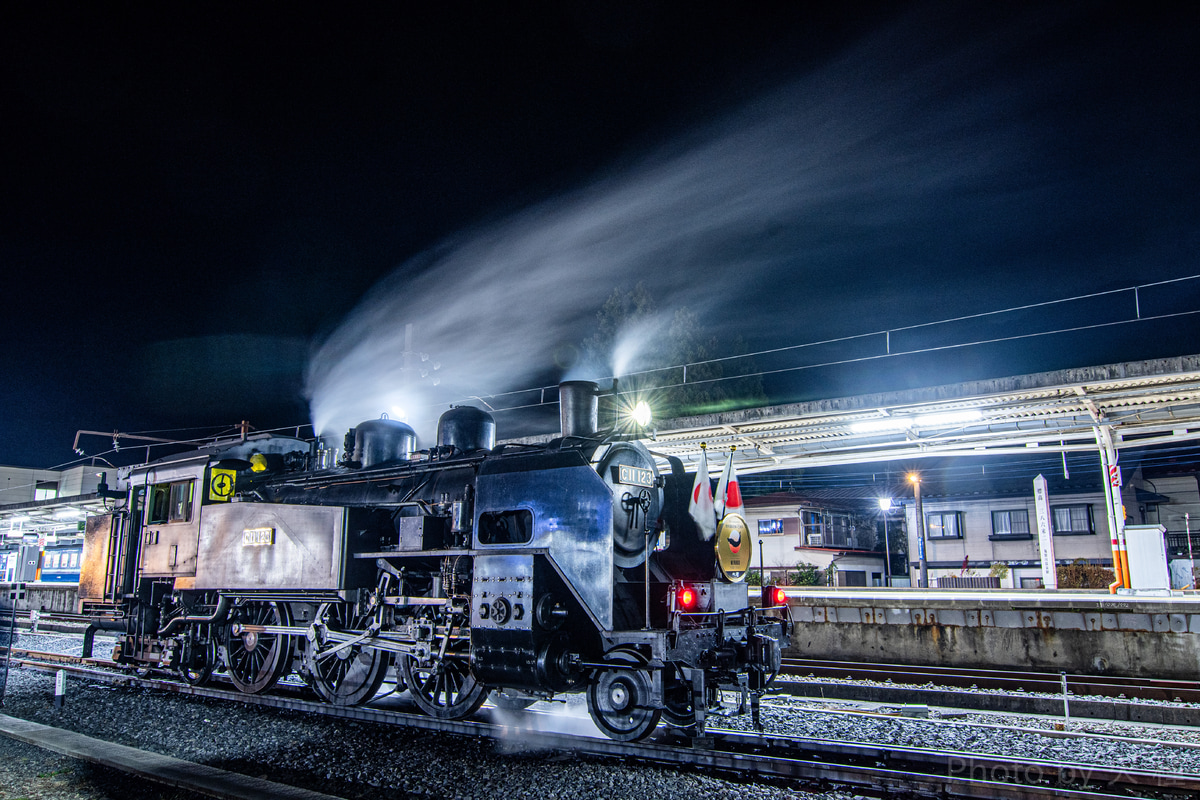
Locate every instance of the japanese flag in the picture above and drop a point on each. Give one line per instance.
(701, 504)
(729, 495)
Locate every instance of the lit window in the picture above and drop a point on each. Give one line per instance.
(769, 526)
(944, 525)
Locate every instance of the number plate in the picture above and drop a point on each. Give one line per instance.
(634, 476)
(258, 537)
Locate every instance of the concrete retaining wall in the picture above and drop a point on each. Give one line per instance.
(1086, 634)
(55, 597)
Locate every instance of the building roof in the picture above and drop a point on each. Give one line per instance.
(852, 498)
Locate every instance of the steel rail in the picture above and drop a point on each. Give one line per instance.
(1032, 681)
(873, 767)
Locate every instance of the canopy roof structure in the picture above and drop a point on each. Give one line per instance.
(1141, 404)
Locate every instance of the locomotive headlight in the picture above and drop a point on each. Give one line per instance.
(641, 414)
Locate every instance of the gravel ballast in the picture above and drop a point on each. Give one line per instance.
(339, 757)
(356, 759)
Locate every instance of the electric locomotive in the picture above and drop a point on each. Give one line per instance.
(465, 570)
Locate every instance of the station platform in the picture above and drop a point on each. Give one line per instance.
(1083, 632)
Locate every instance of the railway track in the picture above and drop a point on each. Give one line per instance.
(1003, 680)
(813, 763)
(50, 616)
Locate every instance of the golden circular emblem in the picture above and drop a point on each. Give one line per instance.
(735, 548)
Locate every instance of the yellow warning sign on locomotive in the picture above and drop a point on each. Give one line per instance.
(220, 485)
(735, 548)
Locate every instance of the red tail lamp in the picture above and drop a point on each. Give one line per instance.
(778, 596)
(686, 597)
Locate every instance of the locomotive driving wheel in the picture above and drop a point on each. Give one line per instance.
(619, 699)
(346, 676)
(254, 660)
(200, 657)
(446, 689)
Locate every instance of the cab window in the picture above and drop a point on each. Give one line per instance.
(506, 527)
(170, 502)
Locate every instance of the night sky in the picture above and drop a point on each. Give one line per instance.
(212, 215)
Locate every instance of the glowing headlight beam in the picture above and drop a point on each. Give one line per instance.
(641, 414)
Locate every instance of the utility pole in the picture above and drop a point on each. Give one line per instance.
(924, 579)
(887, 555)
(885, 506)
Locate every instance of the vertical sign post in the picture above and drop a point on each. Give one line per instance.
(1041, 502)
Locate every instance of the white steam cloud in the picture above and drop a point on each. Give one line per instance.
(806, 191)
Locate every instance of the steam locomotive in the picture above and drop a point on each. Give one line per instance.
(464, 571)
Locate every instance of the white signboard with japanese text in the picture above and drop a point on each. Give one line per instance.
(1041, 502)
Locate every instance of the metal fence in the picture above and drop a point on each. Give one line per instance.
(968, 582)
(8, 630)
(1177, 544)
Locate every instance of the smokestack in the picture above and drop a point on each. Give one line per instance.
(579, 407)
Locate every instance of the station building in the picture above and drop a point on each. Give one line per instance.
(835, 536)
(990, 536)
(42, 517)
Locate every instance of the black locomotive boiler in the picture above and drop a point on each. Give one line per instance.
(465, 570)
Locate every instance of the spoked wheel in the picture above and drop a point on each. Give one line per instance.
(447, 689)
(619, 699)
(255, 661)
(200, 658)
(348, 676)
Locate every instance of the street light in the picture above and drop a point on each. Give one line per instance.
(885, 505)
(915, 480)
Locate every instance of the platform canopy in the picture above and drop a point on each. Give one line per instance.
(1142, 404)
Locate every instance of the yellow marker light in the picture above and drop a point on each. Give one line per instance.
(258, 463)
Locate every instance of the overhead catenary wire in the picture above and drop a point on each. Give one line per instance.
(1137, 317)
(547, 396)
